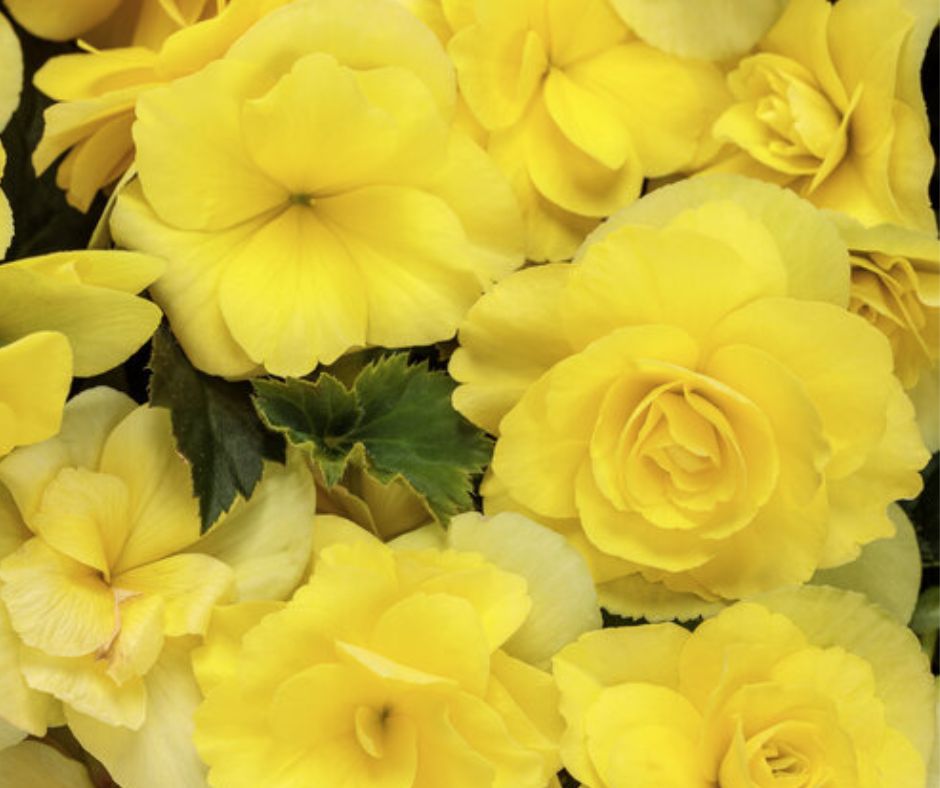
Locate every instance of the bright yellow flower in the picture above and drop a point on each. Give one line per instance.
(111, 23)
(310, 195)
(104, 577)
(896, 287)
(690, 402)
(830, 104)
(11, 83)
(577, 109)
(96, 94)
(63, 313)
(806, 687)
(391, 667)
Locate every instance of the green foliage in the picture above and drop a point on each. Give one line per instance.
(395, 420)
(215, 426)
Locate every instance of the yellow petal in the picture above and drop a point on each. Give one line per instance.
(216, 659)
(711, 30)
(140, 639)
(35, 376)
(812, 253)
(87, 421)
(127, 272)
(20, 706)
(834, 617)
(632, 596)
(44, 18)
(606, 658)
(509, 338)
(164, 517)
(267, 541)
(270, 283)
(188, 290)
(850, 390)
(564, 604)
(11, 69)
(35, 763)
(666, 130)
(360, 128)
(56, 604)
(644, 734)
(414, 259)
(83, 684)
(181, 181)
(335, 27)
(104, 326)
(189, 585)
(84, 515)
(887, 571)
(160, 751)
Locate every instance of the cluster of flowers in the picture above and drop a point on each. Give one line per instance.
(705, 400)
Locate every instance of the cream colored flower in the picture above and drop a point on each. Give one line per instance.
(105, 581)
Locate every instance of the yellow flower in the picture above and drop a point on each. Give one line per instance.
(110, 23)
(690, 402)
(11, 83)
(830, 105)
(96, 93)
(576, 110)
(104, 579)
(896, 287)
(814, 686)
(391, 667)
(310, 195)
(63, 313)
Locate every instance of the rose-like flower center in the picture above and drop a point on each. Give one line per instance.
(370, 726)
(784, 118)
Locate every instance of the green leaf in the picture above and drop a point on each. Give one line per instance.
(396, 420)
(216, 428)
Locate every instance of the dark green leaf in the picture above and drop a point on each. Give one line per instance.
(215, 426)
(396, 419)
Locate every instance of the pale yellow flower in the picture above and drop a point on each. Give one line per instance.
(65, 313)
(690, 402)
(310, 195)
(111, 23)
(105, 580)
(800, 687)
(96, 93)
(830, 105)
(575, 109)
(393, 667)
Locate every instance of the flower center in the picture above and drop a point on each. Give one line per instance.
(371, 725)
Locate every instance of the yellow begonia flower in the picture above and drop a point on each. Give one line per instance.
(96, 93)
(577, 109)
(34, 764)
(829, 104)
(104, 578)
(11, 84)
(690, 402)
(801, 687)
(391, 667)
(310, 195)
(896, 287)
(65, 313)
(111, 23)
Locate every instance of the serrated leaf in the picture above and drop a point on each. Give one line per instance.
(396, 419)
(215, 425)
(318, 417)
